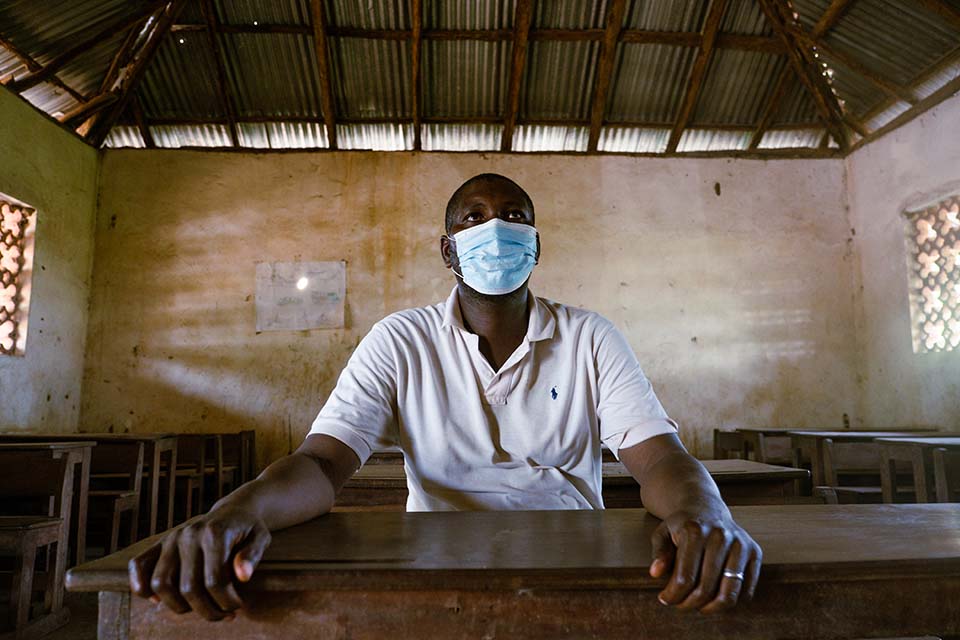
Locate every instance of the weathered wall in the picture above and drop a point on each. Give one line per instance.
(906, 169)
(731, 278)
(46, 167)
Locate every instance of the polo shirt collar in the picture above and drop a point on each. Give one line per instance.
(541, 325)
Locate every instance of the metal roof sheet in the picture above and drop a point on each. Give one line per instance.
(181, 81)
(886, 115)
(573, 14)
(558, 80)
(649, 82)
(666, 15)
(373, 14)
(932, 82)
(371, 78)
(465, 79)
(203, 135)
(858, 94)
(375, 137)
(713, 140)
(240, 12)
(745, 17)
(791, 139)
(272, 75)
(737, 87)
(124, 136)
(469, 14)
(461, 137)
(633, 139)
(50, 99)
(550, 138)
(796, 107)
(282, 135)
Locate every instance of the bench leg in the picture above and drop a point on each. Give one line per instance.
(21, 586)
(115, 528)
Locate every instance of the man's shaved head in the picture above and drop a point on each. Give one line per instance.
(453, 205)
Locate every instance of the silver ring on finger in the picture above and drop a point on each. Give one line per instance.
(733, 575)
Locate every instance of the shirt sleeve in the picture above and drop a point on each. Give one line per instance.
(628, 409)
(361, 411)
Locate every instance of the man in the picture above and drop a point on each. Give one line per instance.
(499, 400)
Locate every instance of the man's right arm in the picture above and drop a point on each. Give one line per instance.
(194, 566)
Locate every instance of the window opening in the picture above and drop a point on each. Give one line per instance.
(17, 224)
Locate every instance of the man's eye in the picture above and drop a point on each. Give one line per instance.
(473, 216)
(515, 215)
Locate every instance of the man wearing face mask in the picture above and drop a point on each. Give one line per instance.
(499, 400)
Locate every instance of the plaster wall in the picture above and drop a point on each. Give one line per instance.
(907, 169)
(731, 279)
(56, 173)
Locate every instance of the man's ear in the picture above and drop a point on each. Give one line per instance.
(445, 251)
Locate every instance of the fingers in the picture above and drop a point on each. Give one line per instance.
(192, 580)
(165, 581)
(727, 593)
(715, 559)
(690, 548)
(664, 551)
(251, 552)
(752, 573)
(216, 546)
(140, 569)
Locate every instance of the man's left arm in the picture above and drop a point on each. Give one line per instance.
(715, 563)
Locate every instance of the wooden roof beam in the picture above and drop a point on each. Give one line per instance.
(135, 70)
(31, 80)
(831, 16)
(137, 109)
(95, 105)
(33, 65)
(608, 52)
(521, 33)
(948, 12)
(773, 105)
(826, 102)
(416, 23)
(710, 28)
(323, 68)
(223, 87)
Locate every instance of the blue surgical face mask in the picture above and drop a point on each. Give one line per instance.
(496, 257)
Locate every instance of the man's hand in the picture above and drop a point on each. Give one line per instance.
(715, 563)
(194, 567)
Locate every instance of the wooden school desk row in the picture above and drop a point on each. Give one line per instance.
(830, 571)
(860, 466)
(52, 486)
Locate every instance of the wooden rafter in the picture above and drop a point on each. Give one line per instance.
(416, 22)
(41, 75)
(33, 65)
(948, 12)
(831, 16)
(137, 110)
(826, 102)
(95, 105)
(521, 33)
(773, 105)
(323, 68)
(223, 86)
(136, 69)
(608, 52)
(710, 28)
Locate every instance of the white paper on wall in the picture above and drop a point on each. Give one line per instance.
(293, 296)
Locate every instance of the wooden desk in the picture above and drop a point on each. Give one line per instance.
(155, 446)
(807, 444)
(385, 485)
(829, 572)
(756, 440)
(78, 468)
(919, 452)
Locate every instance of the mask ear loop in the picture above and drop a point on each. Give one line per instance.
(450, 238)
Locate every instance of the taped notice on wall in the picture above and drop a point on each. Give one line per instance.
(294, 296)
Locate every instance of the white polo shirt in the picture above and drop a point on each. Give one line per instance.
(524, 437)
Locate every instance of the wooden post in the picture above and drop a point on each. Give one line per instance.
(323, 68)
(416, 22)
(521, 33)
(598, 106)
(223, 87)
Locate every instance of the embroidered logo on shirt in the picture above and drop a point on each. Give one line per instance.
(553, 393)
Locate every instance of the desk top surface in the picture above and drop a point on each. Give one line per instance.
(35, 445)
(941, 441)
(574, 549)
(865, 436)
(12, 436)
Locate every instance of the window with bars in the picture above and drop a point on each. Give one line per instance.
(17, 223)
(933, 248)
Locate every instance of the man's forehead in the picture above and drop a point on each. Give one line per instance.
(499, 189)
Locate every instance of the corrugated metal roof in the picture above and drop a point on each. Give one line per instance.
(713, 140)
(886, 115)
(558, 80)
(745, 17)
(50, 99)
(666, 15)
(203, 135)
(859, 95)
(791, 139)
(737, 87)
(573, 14)
(469, 14)
(122, 136)
(272, 75)
(649, 82)
(550, 138)
(465, 79)
(932, 82)
(375, 137)
(797, 107)
(633, 140)
(371, 78)
(461, 137)
(378, 14)
(238, 12)
(181, 81)
(86, 72)
(282, 135)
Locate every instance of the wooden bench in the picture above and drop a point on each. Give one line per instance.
(117, 470)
